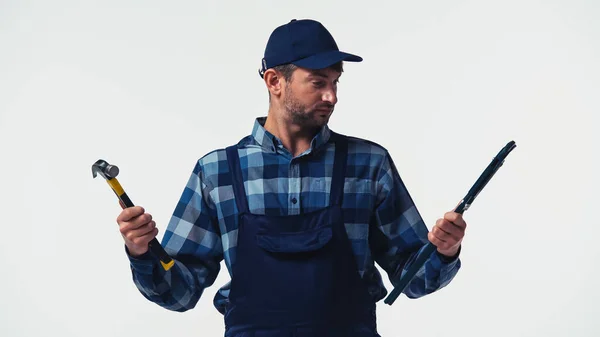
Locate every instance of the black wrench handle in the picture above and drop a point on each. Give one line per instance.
(481, 182)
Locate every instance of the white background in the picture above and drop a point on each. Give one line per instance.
(151, 86)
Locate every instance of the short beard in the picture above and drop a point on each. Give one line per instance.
(297, 112)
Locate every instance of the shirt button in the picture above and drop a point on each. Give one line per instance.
(294, 200)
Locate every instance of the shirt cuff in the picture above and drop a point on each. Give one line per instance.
(449, 259)
(143, 264)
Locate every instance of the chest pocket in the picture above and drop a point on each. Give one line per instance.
(295, 242)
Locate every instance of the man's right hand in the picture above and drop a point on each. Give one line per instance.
(137, 229)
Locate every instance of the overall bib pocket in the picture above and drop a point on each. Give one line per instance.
(295, 242)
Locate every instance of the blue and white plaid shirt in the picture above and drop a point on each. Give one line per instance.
(381, 219)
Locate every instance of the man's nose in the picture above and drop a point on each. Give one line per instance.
(330, 96)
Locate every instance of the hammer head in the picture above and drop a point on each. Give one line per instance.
(104, 169)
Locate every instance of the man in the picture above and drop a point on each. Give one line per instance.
(299, 214)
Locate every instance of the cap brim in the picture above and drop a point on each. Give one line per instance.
(324, 60)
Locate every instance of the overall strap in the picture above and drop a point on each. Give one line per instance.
(339, 169)
(237, 180)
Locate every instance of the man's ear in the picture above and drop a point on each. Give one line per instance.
(273, 81)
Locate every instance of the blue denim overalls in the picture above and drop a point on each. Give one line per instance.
(296, 275)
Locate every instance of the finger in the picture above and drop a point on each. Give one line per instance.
(134, 234)
(128, 213)
(135, 223)
(440, 244)
(143, 241)
(444, 237)
(449, 229)
(439, 233)
(456, 219)
(141, 220)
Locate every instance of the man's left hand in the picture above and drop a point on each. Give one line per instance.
(448, 233)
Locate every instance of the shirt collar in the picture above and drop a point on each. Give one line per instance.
(270, 143)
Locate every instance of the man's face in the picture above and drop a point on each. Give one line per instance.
(310, 97)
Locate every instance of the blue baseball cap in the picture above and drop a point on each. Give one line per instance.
(305, 43)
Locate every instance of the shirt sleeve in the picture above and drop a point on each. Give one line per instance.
(193, 240)
(400, 235)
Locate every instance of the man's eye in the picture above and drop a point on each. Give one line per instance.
(318, 83)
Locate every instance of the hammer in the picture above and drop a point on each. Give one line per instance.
(110, 172)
